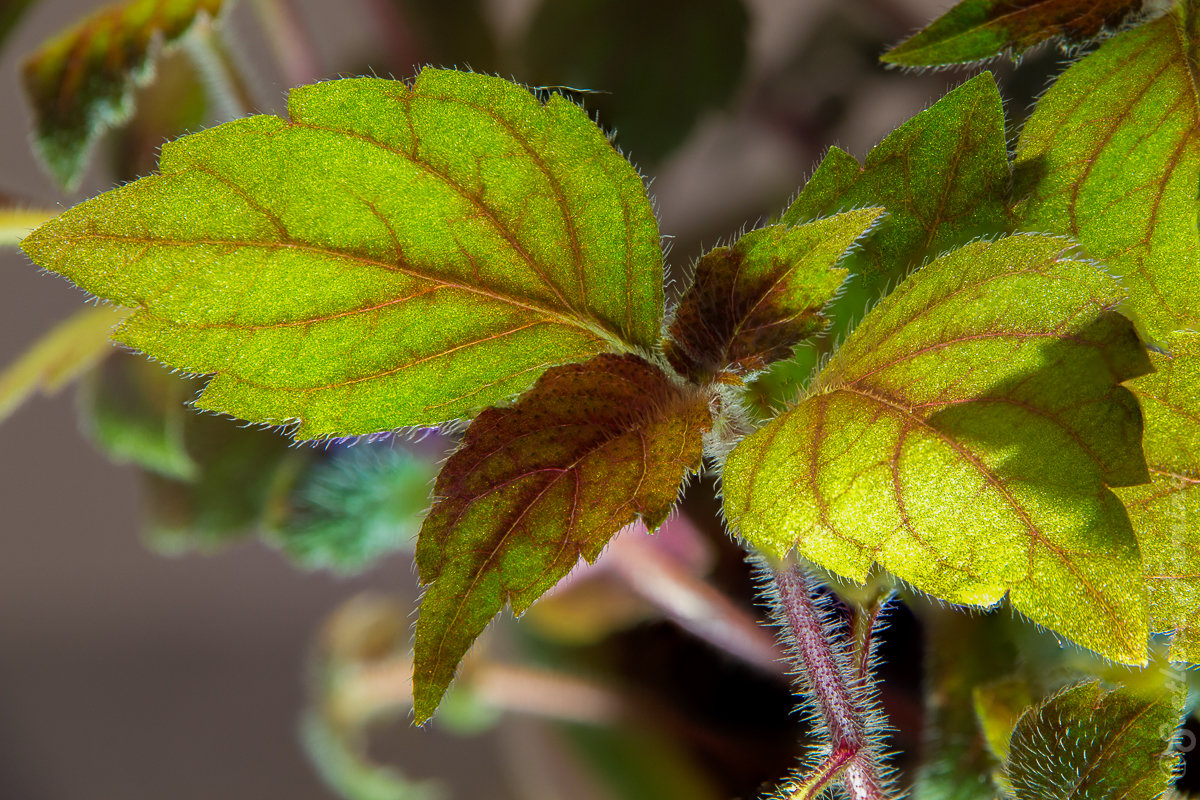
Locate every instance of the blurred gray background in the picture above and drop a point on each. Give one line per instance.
(127, 674)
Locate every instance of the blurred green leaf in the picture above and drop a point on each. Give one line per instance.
(81, 82)
(648, 68)
(63, 354)
(16, 223)
(209, 480)
(355, 506)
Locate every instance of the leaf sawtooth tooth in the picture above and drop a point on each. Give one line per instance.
(535, 486)
(964, 437)
(390, 256)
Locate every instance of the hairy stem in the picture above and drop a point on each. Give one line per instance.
(838, 684)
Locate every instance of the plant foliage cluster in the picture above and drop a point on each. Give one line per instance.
(951, 370)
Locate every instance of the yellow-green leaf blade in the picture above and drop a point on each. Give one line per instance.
(1166, 512)
(751, 303)
(63, 354)
(1087, 741)
(81, 82)
(388, 257)
(977, 29)
(964, 438)
(1111, 158)
(535, 487)
(944, 179)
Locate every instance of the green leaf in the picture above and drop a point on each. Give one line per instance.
(943, 177)
(998, 706)
(349, 772)
(591, 448)
(964, 437)
(134, 412)
(979, 29)
(82, 81)
(11, 12)
(389, 257)
(751, 303)
(355, 507)
(208, 481)
(1090, 742)
(16, 223)
(647, 70)
(66, 352)
(1111, 158)
(1164, 512)
(961, 652)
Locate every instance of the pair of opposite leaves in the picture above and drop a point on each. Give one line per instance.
(401, 257)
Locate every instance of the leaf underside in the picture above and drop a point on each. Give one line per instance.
(964, 437)
(535, 486)
(388, 257)
(751, 303)
(1166, 512)
(977, 29)
(82, 81)
(1091, 742)
(1111, 157)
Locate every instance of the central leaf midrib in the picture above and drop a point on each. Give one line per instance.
(601, 333)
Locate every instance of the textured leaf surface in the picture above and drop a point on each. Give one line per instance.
(751, 303)
(979, 29)
(82, 81)
(943, 177)
(534, 487)
(1111, 158)
(645, 68)
(1166, 512)
(63, 354)
(964, 438)
(1089, 742)
(389, 257)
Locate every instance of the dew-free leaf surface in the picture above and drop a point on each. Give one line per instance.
(67, 351)
(752, 302)
(1166, 511)
(964, 437)
(535, 486)
(82, 81)
(388, 257)
(1111, 158)
(944, 179)
(1091, 742)
(979, 29)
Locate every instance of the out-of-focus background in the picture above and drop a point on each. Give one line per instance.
(127, 674)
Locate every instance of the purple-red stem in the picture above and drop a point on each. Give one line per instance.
(840, 703)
